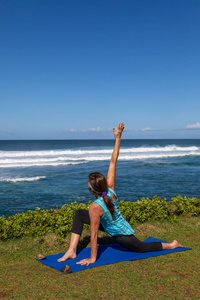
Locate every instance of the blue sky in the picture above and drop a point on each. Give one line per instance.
(74, 69)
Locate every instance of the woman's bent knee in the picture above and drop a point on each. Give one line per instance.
(78, 212)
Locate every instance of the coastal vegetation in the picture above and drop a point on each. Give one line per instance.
(59, 221)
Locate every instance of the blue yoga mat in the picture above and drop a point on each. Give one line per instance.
(107, 254)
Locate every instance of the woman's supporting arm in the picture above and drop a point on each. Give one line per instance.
(95, 213)
(115, 154)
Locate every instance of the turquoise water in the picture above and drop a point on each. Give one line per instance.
(50, 173)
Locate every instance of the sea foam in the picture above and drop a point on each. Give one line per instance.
(22, 179)
(21, 159)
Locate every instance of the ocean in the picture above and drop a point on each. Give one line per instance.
(50, 173)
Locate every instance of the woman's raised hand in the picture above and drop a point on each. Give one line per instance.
(118, 132)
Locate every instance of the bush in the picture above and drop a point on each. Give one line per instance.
(59, 221)
(145, 209)
(182, 205)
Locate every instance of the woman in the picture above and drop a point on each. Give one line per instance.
(104, 214)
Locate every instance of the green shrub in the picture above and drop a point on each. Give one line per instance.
(59, 221)
(145, 209)
(182, 205)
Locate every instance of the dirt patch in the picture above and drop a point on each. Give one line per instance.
(181, 275)
(51, 240)
(148, 229)
(3, 295)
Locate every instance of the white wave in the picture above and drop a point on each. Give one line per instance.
(35, 160)
(24, 165)
(17, 159)
(71, 153)
(140, 156)
(160, 149)
(23, 179)
(50, 153)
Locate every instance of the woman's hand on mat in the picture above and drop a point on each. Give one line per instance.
(118, 132)
(86, 261)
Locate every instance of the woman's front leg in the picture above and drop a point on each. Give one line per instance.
(81, 216)
(71, 253)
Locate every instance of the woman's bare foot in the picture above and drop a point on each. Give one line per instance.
(68, 254)
(175, 244)
(172, 245)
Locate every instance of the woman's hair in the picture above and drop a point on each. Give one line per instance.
(98, 184)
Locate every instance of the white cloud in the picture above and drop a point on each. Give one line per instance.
(147, 129)
(193, 126)
(98, 129)
(101, 130)
(72, 130)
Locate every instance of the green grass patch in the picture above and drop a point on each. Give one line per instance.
(173, 276)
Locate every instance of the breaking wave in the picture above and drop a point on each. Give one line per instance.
(21, 179)
(19, 159)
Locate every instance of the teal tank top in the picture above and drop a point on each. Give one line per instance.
(113, 224)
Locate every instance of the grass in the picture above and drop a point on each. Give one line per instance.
(174, 276)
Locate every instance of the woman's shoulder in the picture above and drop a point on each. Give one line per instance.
(94, 207)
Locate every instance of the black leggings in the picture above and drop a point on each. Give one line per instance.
(129, 242)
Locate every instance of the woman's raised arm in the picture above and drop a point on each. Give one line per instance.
(115, 154)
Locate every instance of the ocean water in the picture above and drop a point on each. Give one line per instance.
(48, 174)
